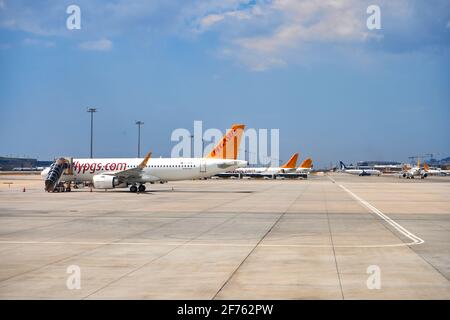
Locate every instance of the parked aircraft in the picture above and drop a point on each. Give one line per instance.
(133, 173)
(435, 171)
(359, 172)
(411, 173)
(289, 166)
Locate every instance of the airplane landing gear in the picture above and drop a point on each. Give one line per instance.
(135, 188)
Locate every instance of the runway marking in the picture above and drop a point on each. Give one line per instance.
(203, 244)
(415, 239)
(332, 180)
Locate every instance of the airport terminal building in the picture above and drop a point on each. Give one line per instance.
(18, 164)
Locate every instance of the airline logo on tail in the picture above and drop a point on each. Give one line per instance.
(292, 162)
(343, 167)
(228, 147)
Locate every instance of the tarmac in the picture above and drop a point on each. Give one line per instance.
(335, 236)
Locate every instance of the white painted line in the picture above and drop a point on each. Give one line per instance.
(415, 239)
(194, 244)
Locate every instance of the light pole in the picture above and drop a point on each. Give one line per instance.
(203, 147)
(139, 124)
(91, 111)
(192, 145)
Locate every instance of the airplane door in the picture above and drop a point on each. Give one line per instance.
(69, 167)
(202, 166)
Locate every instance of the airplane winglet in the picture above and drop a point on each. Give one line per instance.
(143, 164)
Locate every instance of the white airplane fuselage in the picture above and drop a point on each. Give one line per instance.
(303, 170)
(265, 170)
(372, 172)
(436, 171)
(414, 172)
(158, 169)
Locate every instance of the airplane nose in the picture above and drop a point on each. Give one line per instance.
(44, 173)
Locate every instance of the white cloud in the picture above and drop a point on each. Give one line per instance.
(211, 19)
(259, 33)
(206, 22)
(97, 45)
(292, 25)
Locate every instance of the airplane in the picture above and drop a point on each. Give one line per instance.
(301, 171)
(289, 166)
(410, 173)
(134, 173)
(288, 170)
(360, 172)
(265, 172)
(436, 171)
(305, 166)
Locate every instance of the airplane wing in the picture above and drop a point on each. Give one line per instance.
(227, 174)
(133, 174)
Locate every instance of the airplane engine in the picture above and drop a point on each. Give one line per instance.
(102, 181)
(424, 175)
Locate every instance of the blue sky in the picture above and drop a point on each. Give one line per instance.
(336, 90)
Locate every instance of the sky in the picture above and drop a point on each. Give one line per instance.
(335, 89)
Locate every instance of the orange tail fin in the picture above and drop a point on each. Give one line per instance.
(425, 166)
(307, 163)
(292, 162)
(144, 162)
(228, 146)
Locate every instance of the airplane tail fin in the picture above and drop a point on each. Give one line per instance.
(306, 164)
(228, 146)
(343, 167)
(143, 164)
(292, 162)
(425, 166)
